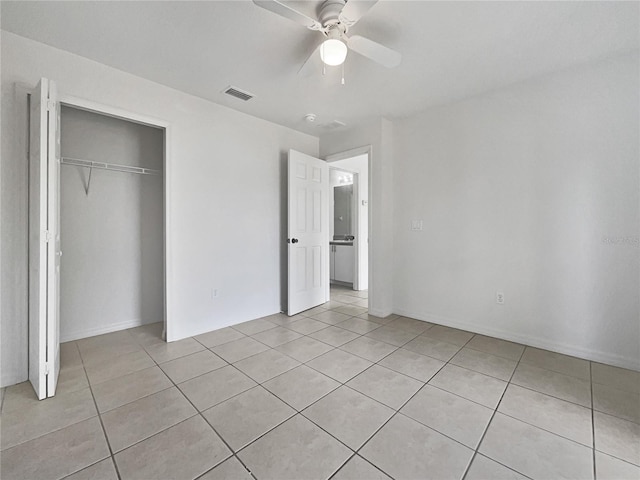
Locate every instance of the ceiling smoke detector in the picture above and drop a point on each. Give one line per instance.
(310, 117)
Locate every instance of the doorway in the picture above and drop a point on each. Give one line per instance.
(349, 211)
(312, 258)
(350, 230)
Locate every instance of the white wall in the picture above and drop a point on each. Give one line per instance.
(360, 165)
(378, 135)
(227, 209)
(112, 237)
(520, 190)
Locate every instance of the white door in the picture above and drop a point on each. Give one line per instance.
(44, 240)
(308, 232)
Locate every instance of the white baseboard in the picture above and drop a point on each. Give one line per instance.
(379, 313)
(572, 350)
(92, 332)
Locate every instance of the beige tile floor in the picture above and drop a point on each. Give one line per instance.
(330, 393)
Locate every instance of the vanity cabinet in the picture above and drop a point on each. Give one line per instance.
(342, 263)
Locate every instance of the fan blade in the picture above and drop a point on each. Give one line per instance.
(285, 11)
(354, 10)
(312, 63)
(374, 51)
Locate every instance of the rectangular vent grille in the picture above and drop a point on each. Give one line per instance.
(236, 92)
(333, 125)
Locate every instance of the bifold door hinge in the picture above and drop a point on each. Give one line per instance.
(51, 105)
(46, 368)
(47, 236)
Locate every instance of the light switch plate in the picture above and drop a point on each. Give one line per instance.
(416, 225)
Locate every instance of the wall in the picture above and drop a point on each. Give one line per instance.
(378, 135)
(360, 165)
(112, 237)
(225, 198)
(532, 190)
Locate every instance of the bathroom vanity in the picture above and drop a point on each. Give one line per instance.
(341, 261)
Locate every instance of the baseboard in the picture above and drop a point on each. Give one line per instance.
(379, 313)
(92, 332)
(572, 350)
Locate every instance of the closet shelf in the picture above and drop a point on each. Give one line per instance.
(109, 166)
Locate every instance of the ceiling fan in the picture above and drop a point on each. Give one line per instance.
(335, 17)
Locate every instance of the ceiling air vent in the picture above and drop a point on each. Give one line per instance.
(333, 125)
(236, 92)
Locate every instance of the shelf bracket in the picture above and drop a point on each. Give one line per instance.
(88, 185)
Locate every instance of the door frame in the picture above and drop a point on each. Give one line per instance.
(355, 152)
(115, 112)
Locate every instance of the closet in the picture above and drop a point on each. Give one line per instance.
(111, 224)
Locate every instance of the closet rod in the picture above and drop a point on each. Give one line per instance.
(109, 166)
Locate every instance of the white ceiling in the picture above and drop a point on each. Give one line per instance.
(450, 50)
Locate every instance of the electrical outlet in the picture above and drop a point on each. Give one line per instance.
(416, 225)
(500, 298)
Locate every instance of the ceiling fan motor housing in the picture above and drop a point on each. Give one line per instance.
(329, 14)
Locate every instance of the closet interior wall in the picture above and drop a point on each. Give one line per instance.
(112, 268)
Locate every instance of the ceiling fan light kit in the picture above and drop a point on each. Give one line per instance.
(334, 20)
(333, 52)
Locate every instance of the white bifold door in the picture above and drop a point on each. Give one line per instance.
(308, 232)
(44, 240)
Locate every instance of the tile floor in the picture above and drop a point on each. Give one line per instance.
(331, 393)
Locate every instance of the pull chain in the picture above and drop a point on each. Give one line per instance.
(342, 73)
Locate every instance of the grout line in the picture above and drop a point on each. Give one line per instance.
(499, 463)
(115, 467)
(340, 384)
(478, 371)
(531, 389)
(257, 384)
(491, 419)
(145, 396)
(475, 349)
(297, 412)
(342, 465)
(95, 403)
(198, 413)
(545, 430)
(555, 372)
(110, 457)
(396, 411)
(364, 460)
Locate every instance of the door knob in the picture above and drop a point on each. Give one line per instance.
(294, 240)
